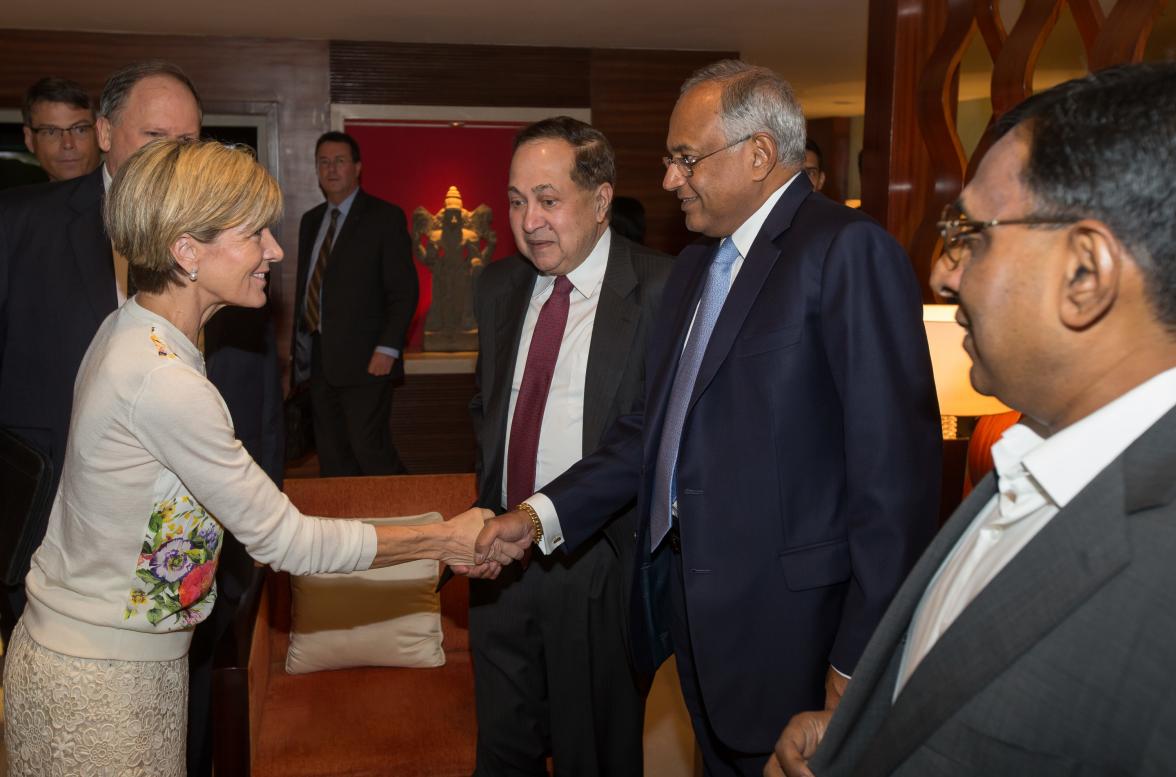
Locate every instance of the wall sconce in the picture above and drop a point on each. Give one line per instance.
(951, 364)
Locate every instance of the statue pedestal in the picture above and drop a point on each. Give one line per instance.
(450, 342)
(435, 363)
(431, 413)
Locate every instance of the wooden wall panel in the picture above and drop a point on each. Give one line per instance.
(425, 74)
(896, 167)
(913, 159)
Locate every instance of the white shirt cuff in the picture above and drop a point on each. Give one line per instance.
(393, 352)
(835, 669)
(552, 533)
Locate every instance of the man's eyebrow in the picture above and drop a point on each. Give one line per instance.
(544, 187)
(682, 148)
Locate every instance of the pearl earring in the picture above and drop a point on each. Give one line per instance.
(192, 275)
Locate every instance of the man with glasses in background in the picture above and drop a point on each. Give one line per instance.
(59, 128)
(787, 461)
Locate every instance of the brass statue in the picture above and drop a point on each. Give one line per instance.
(456, 245)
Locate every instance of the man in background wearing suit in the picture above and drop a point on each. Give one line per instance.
(1036, 635)
(59, 128)
(786, 462)
(562, 331)
(356, 295)
(59, 279)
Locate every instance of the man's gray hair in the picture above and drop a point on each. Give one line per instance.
(755, 99)
(123, 80)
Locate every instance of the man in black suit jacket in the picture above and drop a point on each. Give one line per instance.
(1035, 637)
(548, 640)
(356, 295)
(786, 458)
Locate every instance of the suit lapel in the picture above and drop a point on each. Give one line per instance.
(92, 254)
(351, 226)
(757, 265)
(612, 336)
(1079, 551)
(307, 233)
(660, 377)
(510, 308)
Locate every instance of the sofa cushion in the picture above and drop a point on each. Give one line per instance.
(378, 617)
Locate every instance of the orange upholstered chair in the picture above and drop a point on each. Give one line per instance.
(367, 721)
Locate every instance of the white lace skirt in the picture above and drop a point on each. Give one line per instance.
(66, 716)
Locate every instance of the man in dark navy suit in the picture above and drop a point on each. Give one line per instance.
(787, 459)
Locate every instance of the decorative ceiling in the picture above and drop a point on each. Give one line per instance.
(819, 45)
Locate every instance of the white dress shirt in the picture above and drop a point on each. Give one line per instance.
(1036, 478)
(561, 436)
(744, 238)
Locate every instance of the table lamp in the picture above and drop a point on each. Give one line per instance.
(951, 365)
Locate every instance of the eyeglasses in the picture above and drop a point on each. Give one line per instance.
(685, 164)
(78, 131)
(959, 232)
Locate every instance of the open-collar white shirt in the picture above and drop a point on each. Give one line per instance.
(1036, 479)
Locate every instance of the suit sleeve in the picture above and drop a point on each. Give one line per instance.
(400, 281)
(877, 352)
(596, 487)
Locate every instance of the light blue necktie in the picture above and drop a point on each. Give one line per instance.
(665, 485)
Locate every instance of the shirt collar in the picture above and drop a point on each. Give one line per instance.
(745, 235)
(107, 178)
(588, 277)
(344, 207)
(1068, 461)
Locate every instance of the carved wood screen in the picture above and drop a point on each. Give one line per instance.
(915, 162)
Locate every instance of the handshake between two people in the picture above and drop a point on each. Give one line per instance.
(484, 544)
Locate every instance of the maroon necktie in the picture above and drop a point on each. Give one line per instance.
(532, 401)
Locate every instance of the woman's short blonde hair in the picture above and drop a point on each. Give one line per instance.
(170, 188)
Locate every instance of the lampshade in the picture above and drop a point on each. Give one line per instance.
(951, 365)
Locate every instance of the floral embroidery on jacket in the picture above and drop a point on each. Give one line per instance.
(177, 564)
(160, 346)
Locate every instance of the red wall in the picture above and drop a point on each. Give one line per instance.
(414, 166)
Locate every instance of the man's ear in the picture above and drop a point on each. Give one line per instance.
(1093, 274)
(102, 128)
(764, 155)
(601, 201)
(28, 139)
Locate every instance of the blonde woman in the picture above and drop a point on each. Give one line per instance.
(96, 676)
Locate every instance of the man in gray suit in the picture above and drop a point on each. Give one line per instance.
(562, 330)
(1036, 635)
